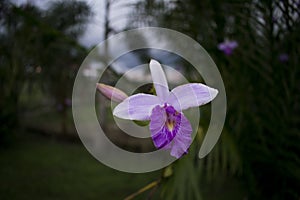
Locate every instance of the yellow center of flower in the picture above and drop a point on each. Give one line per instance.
(170, 125)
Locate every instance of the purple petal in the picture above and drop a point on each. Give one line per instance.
(191, 95)
(159, 80)
(228, 46)
(157, 129)
(228, 51)
(232, 44)
(182, 140)
(221, 46)
(283, 57)
(164, 125)
(136, 107)
(158, 119)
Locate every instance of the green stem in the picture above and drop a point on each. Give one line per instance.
(147, 187)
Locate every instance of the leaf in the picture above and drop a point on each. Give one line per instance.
(141, 123)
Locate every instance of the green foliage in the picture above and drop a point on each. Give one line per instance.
(41, 48)
(183, 183)
(190, 173)
(261, 134)
(141, 123)
(43, 168)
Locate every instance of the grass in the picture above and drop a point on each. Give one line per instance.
(34, 166)
(37, 167)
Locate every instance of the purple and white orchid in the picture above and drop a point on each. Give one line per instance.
(169, 128)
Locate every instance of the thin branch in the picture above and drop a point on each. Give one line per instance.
(140, 191)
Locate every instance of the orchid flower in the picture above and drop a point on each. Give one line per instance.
(228, 46)
(169, 128)
(283, 57)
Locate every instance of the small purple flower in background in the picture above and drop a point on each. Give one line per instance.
(68, 102)
(111, 93)
(228, 46)
(283, 57)
(169, 128)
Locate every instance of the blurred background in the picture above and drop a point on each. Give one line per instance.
(255, 45)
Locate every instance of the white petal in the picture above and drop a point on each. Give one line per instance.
(159, 80)
(191, 95)
(136, 107)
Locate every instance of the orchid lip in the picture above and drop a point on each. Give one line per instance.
(170, 125)
(165, 124)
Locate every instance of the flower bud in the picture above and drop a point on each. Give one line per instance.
(111, 93)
